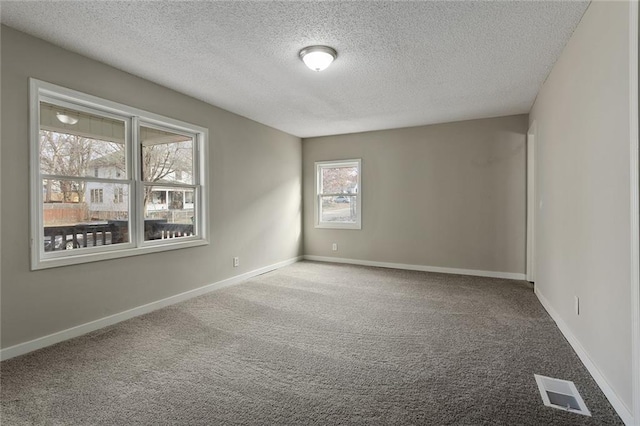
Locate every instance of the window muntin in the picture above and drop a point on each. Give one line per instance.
(87, 169)
(338, 199)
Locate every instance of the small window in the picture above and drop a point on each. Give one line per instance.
(110, 180)
(118, 195)
(188, 197)
(338, 194)
(97, 195)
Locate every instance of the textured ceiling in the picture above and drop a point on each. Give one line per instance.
(399, 63)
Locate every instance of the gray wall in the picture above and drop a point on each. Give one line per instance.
(254, 188)
(582, 163)
(448, 195)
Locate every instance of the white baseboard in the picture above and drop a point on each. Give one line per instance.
(616, 402)
(79, 330)
(474, 272)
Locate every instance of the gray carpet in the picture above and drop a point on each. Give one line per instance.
(313, 344)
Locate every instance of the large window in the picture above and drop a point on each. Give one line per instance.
(110, 180)
(338, 194)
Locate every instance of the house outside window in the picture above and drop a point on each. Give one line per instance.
(338, 201)
(98, 170)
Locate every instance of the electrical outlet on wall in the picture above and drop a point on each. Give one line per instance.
(576, 304)
(334, 247)
(236, 262)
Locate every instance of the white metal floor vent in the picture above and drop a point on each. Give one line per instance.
(561, 394)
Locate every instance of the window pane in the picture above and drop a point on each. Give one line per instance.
(166, 156)
(338, 209)
(74, 143)
(79, 214)
(340, 180)
(168, 212)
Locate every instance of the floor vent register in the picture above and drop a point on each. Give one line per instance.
(561, 394)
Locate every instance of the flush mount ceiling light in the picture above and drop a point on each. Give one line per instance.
(318, 58)
(66, 119)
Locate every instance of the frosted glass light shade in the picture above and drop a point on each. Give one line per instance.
(318, 58)
(66, 119)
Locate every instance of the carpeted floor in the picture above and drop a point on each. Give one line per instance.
(308, 344)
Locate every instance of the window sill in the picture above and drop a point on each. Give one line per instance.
(355, 226)
(77, 259)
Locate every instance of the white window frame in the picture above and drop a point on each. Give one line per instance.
(319, 166)
(133, 117)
